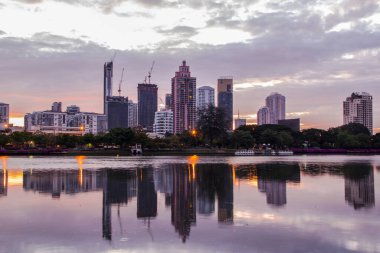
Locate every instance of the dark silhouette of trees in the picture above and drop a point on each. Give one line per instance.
(212, 124)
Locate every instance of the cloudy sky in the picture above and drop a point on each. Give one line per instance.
(315, 52)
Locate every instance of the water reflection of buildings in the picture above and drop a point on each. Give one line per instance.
(183, 204)
(55, 182)
(3, 177)
(187, 188)
(119, 187)
(359, 187)
(146, 194)
(272, 179)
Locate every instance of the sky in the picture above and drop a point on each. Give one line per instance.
(314, 52)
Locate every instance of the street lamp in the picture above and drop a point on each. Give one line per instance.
(81, 128)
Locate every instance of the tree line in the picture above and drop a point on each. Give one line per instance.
(211, 132)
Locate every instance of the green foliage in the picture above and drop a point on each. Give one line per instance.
(20, 139)
(212, 124)
(242, 139)
(4, 139)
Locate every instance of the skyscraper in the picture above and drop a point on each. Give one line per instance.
(147, 104)
(225, 98)
(4, 116)
(117, 112)
(168, 101)
(276, 103)
(205, 97)
(183, 100)
(107, 84)
(358, 109)
(264, 116)
(132, 114)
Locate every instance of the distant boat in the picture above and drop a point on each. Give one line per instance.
(136, 149)
(268, 152)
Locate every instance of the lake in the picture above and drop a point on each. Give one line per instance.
(190, 204)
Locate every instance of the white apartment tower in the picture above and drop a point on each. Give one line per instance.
(265, 116)
(205, 97)
(163, 122)
(358, 109)
(276, 103)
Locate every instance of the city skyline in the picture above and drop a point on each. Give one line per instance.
(62, 61)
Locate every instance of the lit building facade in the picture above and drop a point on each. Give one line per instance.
(4, 116)
(73, 121)
(276, 103)
(163, 122)
(225, 98)
(147, 104)
(264, 116)
(183, 100)
(205, 97)
(358, 109)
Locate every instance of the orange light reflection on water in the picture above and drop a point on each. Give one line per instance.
(80, 160)
(4, 164)
(193, 161)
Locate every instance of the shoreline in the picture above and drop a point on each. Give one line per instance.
(182, 152)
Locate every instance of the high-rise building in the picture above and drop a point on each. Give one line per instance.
(264, 116)
(163, 122)
(168, 101)
(205, 97)
(147, 104)
(183, 100)
(358, 109)
(276, 103)
(132, 114)
(225, 98)
(73, 121)
(117, 112)
(107, 84)
(4, 116)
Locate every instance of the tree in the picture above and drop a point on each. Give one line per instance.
(19, 139)
(4, 140)
(212, 124)
(242, 139)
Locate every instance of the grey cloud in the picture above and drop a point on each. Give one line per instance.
(181, 31)
(352, 10)
(2, 32)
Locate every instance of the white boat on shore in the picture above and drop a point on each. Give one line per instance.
(136, 150)
(252, 152)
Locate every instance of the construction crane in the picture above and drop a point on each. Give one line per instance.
(113, 57)
(121, 80)
(150, 72)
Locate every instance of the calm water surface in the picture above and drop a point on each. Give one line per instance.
(190, 204)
